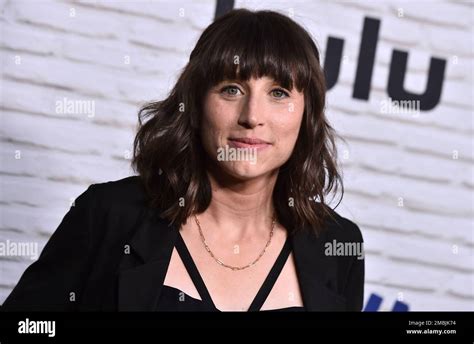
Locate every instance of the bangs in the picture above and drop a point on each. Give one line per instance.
(255, 46)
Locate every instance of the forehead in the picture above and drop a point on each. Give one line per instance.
(254, 76)
(265, 79)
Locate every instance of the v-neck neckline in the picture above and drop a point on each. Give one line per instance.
(262, 293)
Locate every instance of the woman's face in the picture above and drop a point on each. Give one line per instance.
(249, 128)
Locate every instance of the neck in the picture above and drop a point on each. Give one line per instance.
(240, 209)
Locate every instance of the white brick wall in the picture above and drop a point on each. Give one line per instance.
(120, 54)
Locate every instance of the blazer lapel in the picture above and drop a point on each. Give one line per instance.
(316, 273)
(143, 271)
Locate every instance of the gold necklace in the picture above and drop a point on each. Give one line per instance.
(220, 262)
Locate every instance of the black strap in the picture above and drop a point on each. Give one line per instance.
(264, 290)
(193, 271)
(272, 277)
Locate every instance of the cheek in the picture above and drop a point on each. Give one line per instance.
(287, 127)
(216, 121)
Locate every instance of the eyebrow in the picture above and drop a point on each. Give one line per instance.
(272, 81)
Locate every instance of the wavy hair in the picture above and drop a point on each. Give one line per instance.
(168, 153)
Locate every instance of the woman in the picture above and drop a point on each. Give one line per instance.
(228, 211)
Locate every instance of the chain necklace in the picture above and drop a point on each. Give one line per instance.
(234, 268)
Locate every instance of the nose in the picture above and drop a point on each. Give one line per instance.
(251, 114)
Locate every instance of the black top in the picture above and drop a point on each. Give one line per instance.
(173, 299)
(113, 250)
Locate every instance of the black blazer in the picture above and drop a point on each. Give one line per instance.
(111, 253)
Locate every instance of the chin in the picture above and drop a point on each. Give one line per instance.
(244, 170)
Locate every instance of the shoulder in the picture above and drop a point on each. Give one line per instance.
(124, 192)
(114, 207)
(131, 186)
(341, 228)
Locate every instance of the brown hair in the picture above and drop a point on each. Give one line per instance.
(168, 154)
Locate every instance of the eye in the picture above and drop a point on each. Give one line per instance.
(279, 93)
(231, 90)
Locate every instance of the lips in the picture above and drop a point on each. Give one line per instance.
(248, 142)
